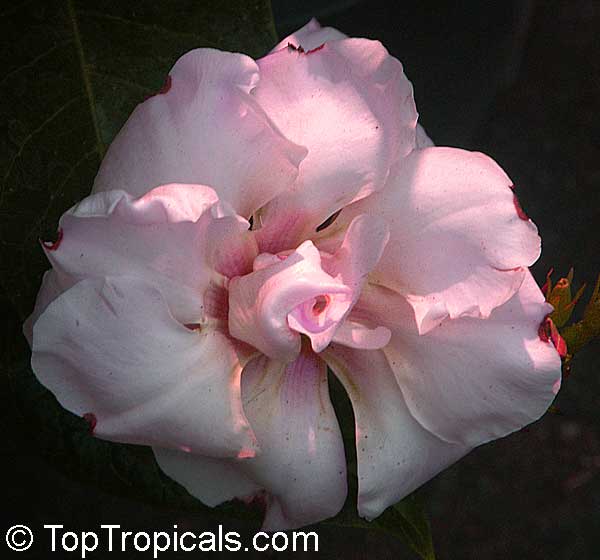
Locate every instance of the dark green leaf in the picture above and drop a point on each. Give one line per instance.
(413, 525)
(407, 520)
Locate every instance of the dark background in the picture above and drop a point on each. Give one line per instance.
(520, 81)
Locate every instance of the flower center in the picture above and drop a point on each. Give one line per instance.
(306, 292)
(320, 304)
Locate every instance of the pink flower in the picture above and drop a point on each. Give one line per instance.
(167, 320)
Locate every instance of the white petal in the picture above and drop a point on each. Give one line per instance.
(163, 237)
(53, 284)
(213, 481)
(395, 454)
(351, 105)
(110, 348)
(301, 463)
(206, 129)
(423, 140)
(458, 245)
(472, 380)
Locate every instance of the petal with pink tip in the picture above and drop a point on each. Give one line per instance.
(207, 129)
(311, 36)
(395, 453)
(301, 463)
(161, 237)
(457, 245)
(109, 347)
(351, 105)
(470, 380)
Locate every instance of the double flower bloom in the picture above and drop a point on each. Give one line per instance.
(169, 320)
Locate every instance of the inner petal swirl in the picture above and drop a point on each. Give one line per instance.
(308, 292)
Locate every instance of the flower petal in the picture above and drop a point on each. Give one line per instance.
(423, 140)
(395, 453)
(163, 237)
(351, 105)
(301, 462)
(310, 37)
(261, 303)
(53, 284)
(193, 133)
(357, 335)
(110, 348)
(457, 245)
(470, 380)
(213, 481)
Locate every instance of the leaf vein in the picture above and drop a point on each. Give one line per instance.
(120, 80)
(150, 27)
(32, 135)
(86, 79)
(34, 61)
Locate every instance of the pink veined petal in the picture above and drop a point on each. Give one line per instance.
(111, 349)
(458, 247)
(395, 453)
(351, 105)
(301, 463)
(470, 380)
(206, 129)
(165, 237)
(311, 36)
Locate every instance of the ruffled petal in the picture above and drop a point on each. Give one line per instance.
(458, 246)
(469, 380)
(351, 105)
(308, 293)
(110, 349)
(301, 463)
(206, 129)
(264, 304)
(310, 37)
(395, 453)
(166, 237)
